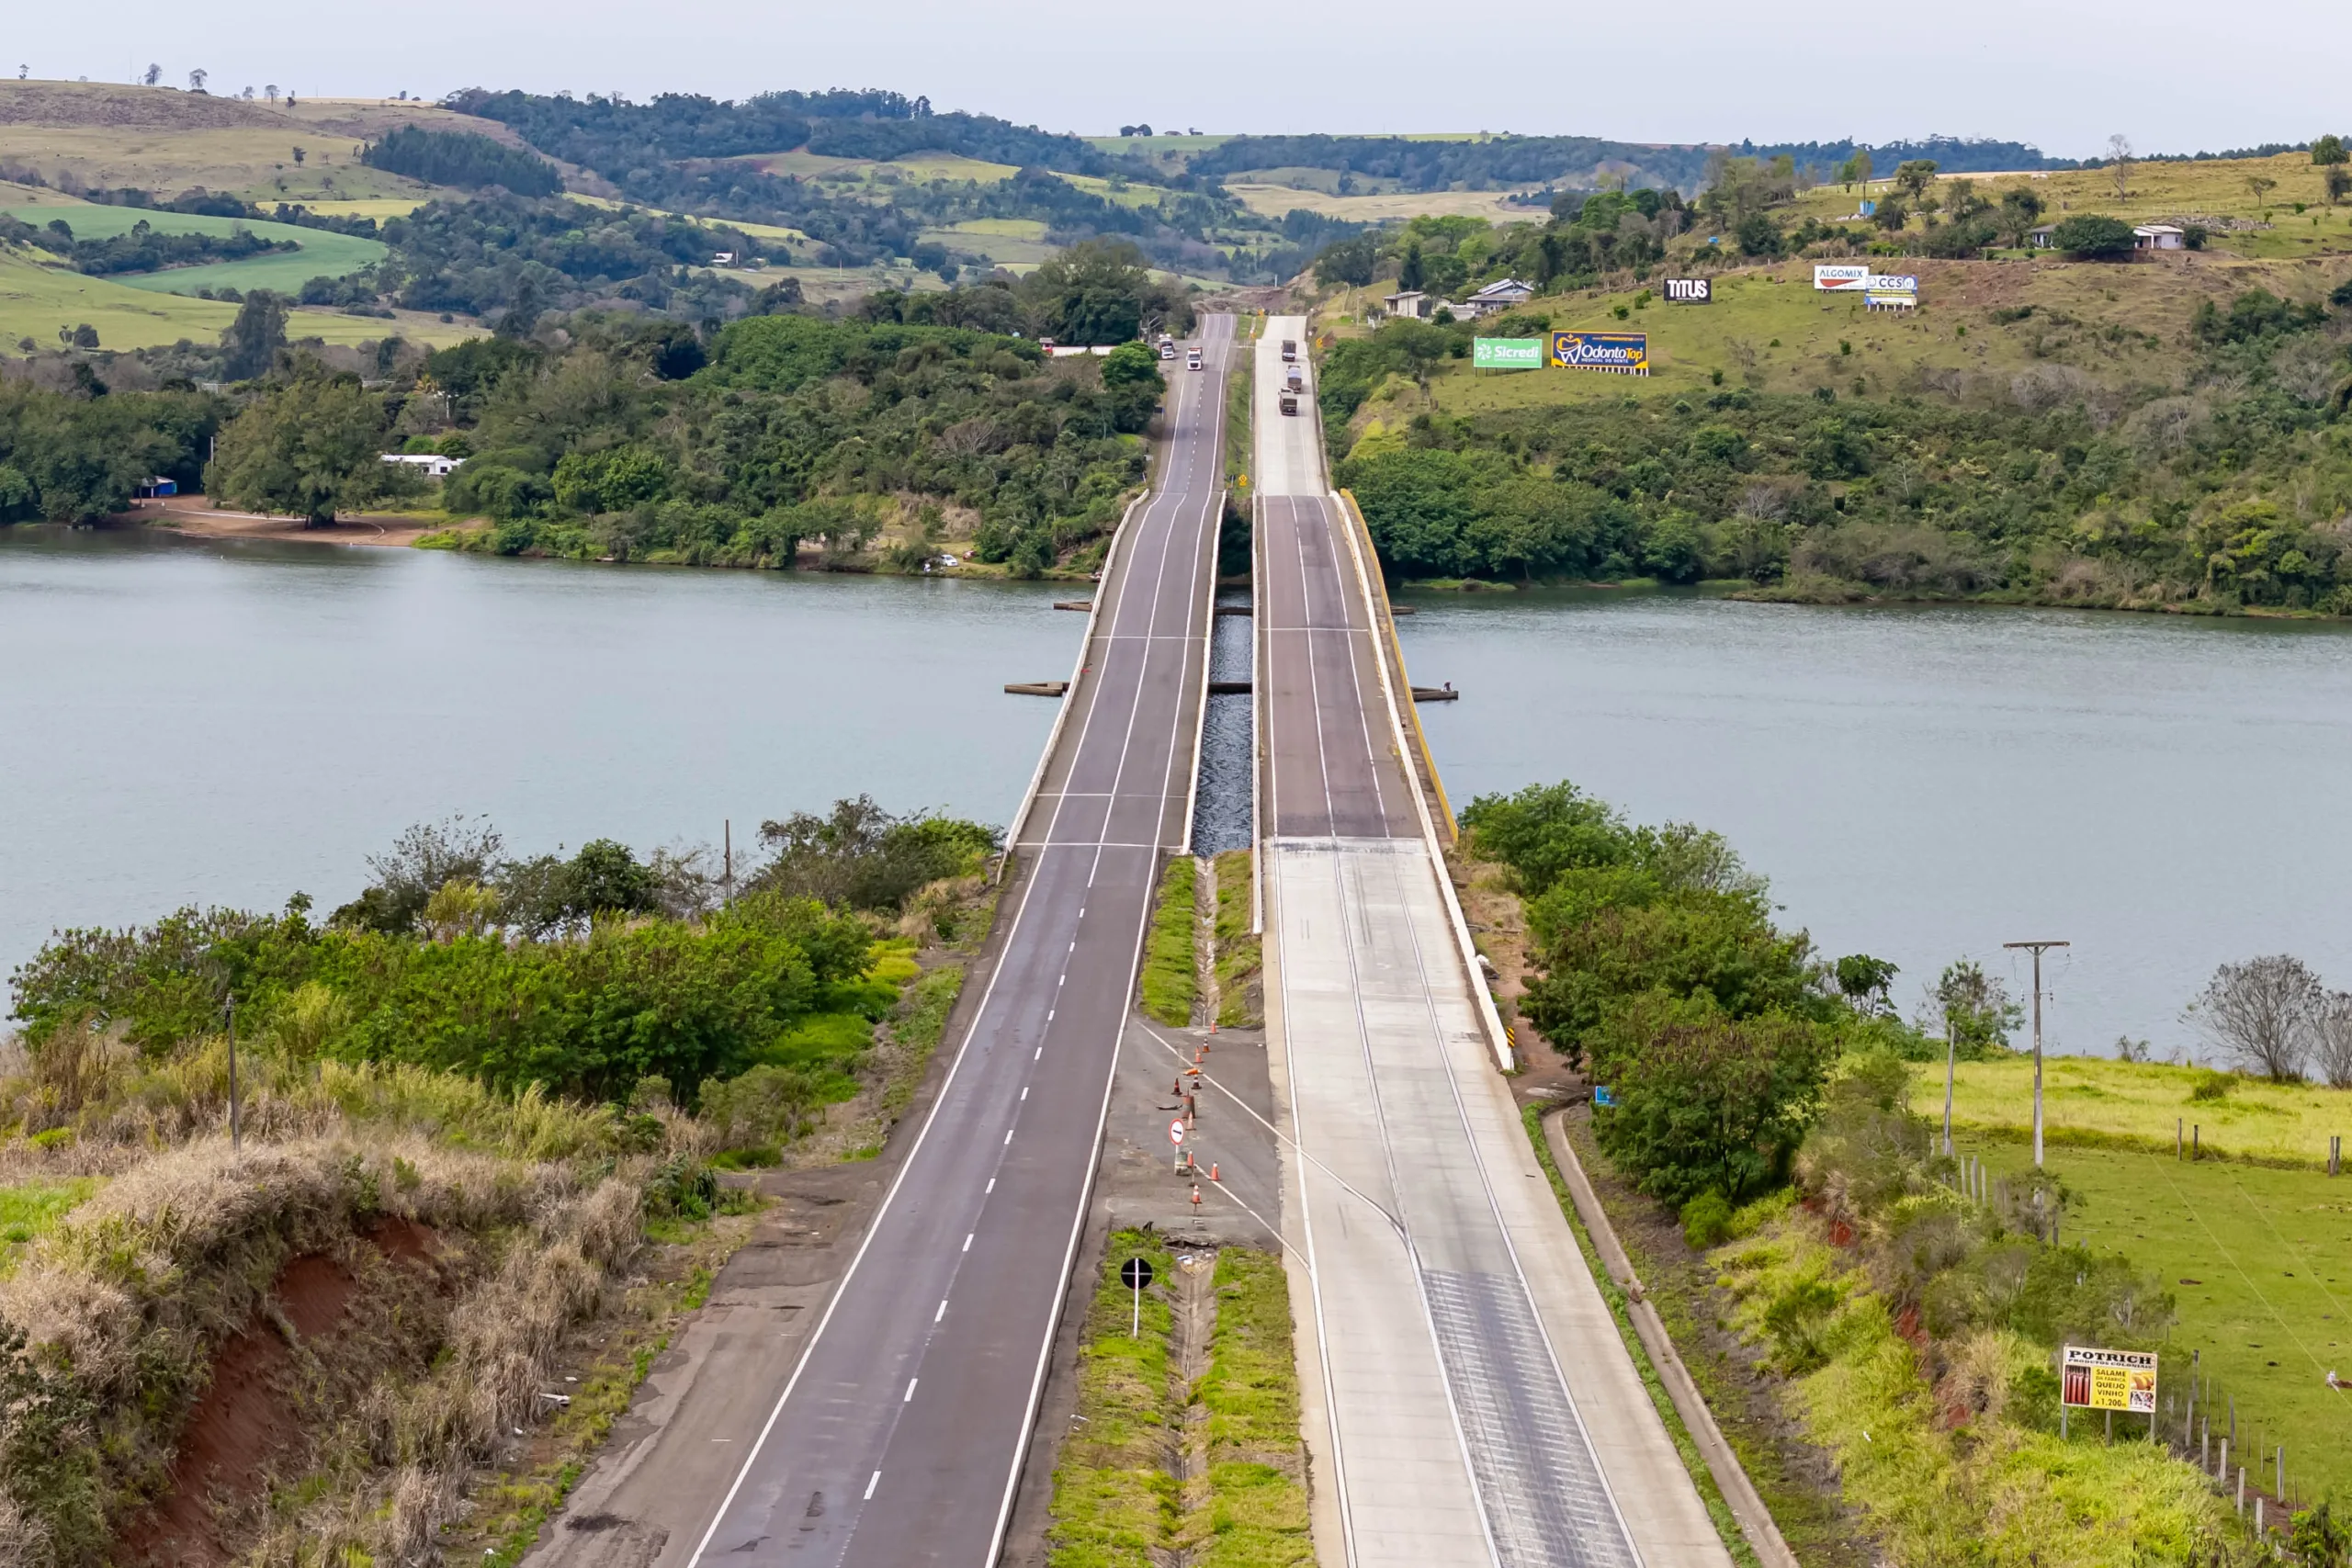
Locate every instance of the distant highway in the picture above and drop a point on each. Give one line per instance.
(1469, 1401)
(899, 1438)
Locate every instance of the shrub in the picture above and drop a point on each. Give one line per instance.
(1707, 1221)
(2094, 235)
(1708, 1104)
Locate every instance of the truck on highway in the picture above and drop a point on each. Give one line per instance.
(1192, 359)
(1289, 402)
(1296, 379)
(1290, 351)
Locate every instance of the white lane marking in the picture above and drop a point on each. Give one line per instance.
(990, 1188)
(910, 1391)
(1038, 1053)
(1008, 1135)
(1073, 947)
(967, 1241)
(1024, 1091)
(872, 1485)
(942, 1312)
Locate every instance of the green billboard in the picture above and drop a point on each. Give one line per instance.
(1507, 354)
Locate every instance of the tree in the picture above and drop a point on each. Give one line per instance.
(154, 73)
(1863, 168)
(2090, 234)
(2331, 1039)
(1348, 262)
(195, 80)
(299, 153)
(2329, 149)
(1890, 214)
(2118, 161)
(2019, 210)
(1864, 980)
(2260, 187)
(1098, 291)
(2263, 1013)
(1704, 1104)
(249, 347)
(1973, 1009)
(270, 92)
(1758, 236)
(2335, 183)
(312, 447)
(1915, 175)
(1412, 272)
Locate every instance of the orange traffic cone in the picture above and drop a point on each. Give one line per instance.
(1213, 1176)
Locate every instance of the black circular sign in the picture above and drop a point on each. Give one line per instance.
(1136, 1273)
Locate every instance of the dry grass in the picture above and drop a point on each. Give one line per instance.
(1275, 200)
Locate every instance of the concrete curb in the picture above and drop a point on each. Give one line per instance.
(1747, 1505)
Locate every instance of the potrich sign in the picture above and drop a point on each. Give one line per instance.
(2091, 1379)
(1507, 354)
(1841, 278)
(1627, 353)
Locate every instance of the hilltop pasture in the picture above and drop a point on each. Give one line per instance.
(323, 253)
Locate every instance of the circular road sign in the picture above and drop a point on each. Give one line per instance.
(1176, 1131)
(1136, 1273)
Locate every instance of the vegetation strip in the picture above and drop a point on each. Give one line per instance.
(1238, 954)
(1172, 960)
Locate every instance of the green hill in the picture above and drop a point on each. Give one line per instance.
(322, 255)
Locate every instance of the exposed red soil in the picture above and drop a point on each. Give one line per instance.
(238, 1427)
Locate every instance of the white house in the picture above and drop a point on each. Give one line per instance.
(2158, 237)
(1500, 294)
(1410, 302)
(430, 464)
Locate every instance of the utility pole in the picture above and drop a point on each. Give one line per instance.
(1952, 1056)
(727, 874)
(236, 1132)
(2037, 948)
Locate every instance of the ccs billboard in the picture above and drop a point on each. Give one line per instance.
(1688, 291)
(1848, 277)
(2092, 1379)
(1627, 353)
(1507, 354)
(1891, 283)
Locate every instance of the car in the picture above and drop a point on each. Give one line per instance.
(1166, 351)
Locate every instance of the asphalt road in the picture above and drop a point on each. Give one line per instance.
(900, 1437)
(1468, 1398)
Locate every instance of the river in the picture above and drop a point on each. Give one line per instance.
(1926, 783)
(202, 722)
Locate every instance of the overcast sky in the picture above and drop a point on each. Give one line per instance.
(2175, 75)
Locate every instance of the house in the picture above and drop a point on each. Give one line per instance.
(430, 464)
(1497, 296)
(2040, 238)
(156, 489)
(2158, 237)
(722, 258)
(1409, 302)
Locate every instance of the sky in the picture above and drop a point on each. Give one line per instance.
(2173, 75)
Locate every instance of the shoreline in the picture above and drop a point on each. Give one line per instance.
(390, 531)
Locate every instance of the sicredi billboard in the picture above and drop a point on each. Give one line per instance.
(1893, 282)
(1850, 276)
(1626, 352)
(1688, 291)
(1507, 354)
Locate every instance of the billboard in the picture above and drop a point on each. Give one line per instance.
(1627, 353)
(2108, 1379)
(1507, 354)
(1688, 291)
(1891, 283)
(1847, 277)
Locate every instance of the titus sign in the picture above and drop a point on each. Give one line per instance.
(1688, 291)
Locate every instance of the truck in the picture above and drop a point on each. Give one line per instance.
(1289, 402)
(1296, 379)
(1290, 351)
(1192, 359)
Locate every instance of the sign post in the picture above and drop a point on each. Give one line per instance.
(1176, 1136)
(1136, 1273)
(2094, 1379)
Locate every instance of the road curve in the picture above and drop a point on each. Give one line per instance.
(899, 1437)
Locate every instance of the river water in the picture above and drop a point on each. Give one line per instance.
(1926, 783)
(226, 723)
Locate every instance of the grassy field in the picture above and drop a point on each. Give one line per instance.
(1980, 326)
(323, 255)
(35, 300)
(1170, 958)
(2093, 1100)
(1274, 200)
(2260, 1265)
(2214, 190)
(380, 207)
(29, 1209)
(257, 163)
(921, 169)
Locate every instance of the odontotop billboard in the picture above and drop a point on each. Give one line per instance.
(1848, 276)
(1628, 354)
(1507, 354)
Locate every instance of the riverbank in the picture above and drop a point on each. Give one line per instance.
(193, 517)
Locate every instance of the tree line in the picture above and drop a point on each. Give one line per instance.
(460, 158)
(142, 249)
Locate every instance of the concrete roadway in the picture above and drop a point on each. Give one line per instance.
(1464, 1389)
(900, 1437)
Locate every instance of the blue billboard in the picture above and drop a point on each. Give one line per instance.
(1627, 353)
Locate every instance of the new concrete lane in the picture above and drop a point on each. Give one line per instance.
(1478, 1407)
(900, 1435)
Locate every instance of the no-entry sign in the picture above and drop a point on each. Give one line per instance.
(1176, 1131)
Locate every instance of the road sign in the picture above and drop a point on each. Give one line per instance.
(1176, 1131)
(1136, 1273)
(1603, 1095)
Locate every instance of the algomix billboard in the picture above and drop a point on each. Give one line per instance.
(2092, 1379)
(1507, 354)
(1844, 276)
(1627, 353)
(1688, 291)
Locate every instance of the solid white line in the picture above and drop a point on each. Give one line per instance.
(872, 1485)
(990, 1188)
(942, 1312)
(1024, 1091)
(967, 1239)
(910, 1391)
